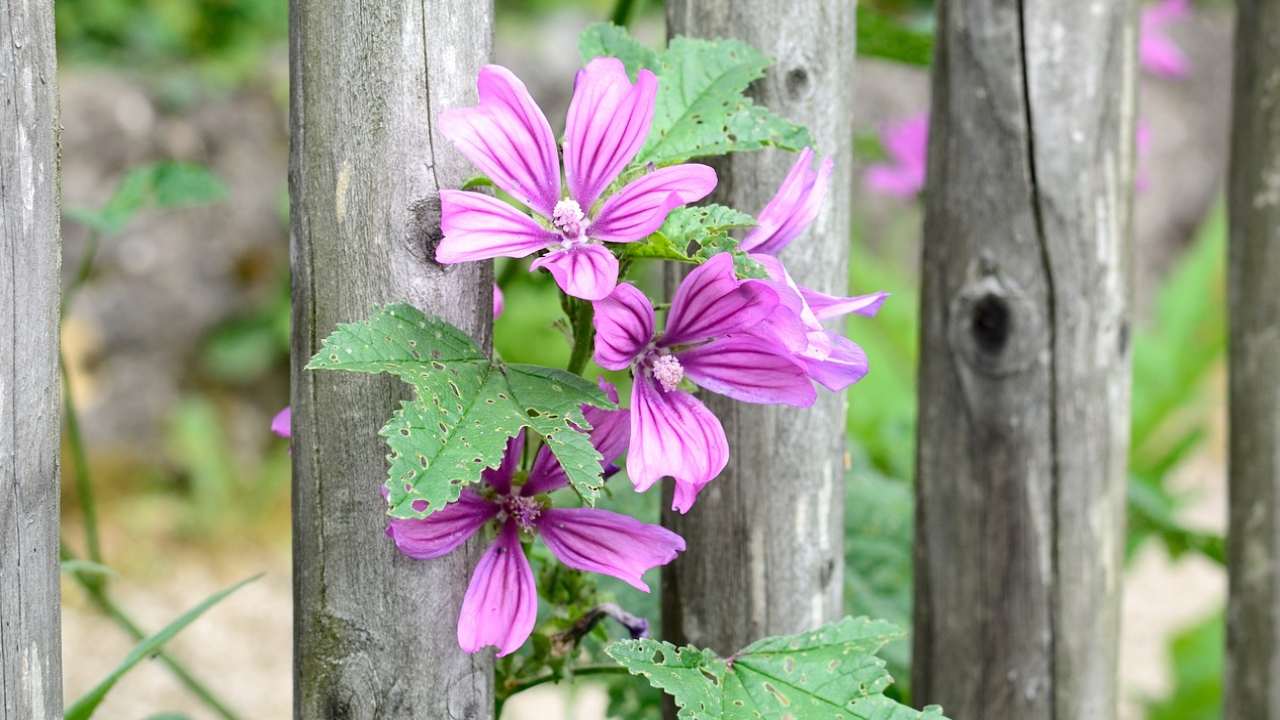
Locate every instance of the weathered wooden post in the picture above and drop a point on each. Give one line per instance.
(1253, 618)
(30, 406)
(373, 631)
(1024, 375)
(765, 539)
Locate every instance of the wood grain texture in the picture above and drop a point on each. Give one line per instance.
(30, 403)
(374, 631)
(1253, 619)
(765, 538)
(1024, 375)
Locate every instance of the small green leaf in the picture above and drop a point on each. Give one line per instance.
(83, 708)
(465, 409)
(609, 40)
(86, 567)
(165, 185)
(701, 109)
(829, 672)
(881, 37)
(693, 224)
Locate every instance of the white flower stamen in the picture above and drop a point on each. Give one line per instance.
(570, 220)
(668, 372)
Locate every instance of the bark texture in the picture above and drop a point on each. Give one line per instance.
(374, 633)
(1253, 620)
(1024, 375)
(765, 538)
(30, 418)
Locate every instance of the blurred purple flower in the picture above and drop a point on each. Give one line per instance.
(282, 423)
(501, 603)
(499, 303)
(827, 357)
(907, 142)
(1157, 52)
(509, 139)
(672, 433)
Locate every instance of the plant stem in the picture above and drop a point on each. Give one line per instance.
(84, 488)
(621, 14)
(580, 315)
(82, 272)
(106, 605)
(521, 685)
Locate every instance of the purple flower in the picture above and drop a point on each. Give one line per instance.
(501, 603)
(907, 142)
(509, 139)
(1157, 52)
(498, 302)
(827, 357)
(282, 423)
(672, 433)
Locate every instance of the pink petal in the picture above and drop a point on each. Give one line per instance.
(894, 180)
(480, 227)
(508, 138)
(607, 124)
(792, 209)
(907, 142)
(499, 303)
(282, 423)
(826, 306)
(589, 272)
(499, 478)
(749, 369)
(672, 434)
(640, 208)
(441, 532)
(501, 603)
(1159, 55)
(712, 302)
(842, 365)
(624, 326)
(610, 432)
(604, 542)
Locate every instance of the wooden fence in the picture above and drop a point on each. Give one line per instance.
(1023, 380)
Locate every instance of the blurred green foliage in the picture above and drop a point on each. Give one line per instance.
(1196, 655)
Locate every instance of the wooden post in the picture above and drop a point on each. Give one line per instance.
(1024, 374)
(1253, 621)
(765, 539)
(374, 631)
(30, 407)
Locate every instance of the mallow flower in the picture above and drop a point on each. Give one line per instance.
(501, 602)
(508, 138)
(1158, 54)
(827, 357)
(907, 142)
(705, 341)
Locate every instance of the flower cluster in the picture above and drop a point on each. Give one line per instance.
(753, 339)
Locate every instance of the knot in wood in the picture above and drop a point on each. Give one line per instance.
(423, 235)
(994, 327)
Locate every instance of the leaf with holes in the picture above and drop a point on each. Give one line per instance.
(465, 409)
(609, 40)
(701, 109)
(831, 672)
(702, 230)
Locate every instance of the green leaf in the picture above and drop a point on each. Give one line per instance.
(701, 109)
(878, 575)
(829, 672)
(881, 37)
(609, 40)
(657, 247)
(86, 567)
(1196, 655)
(465, 408)
(687, 225)
(83, 708)
(164, 185)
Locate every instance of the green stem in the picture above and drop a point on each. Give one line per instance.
(106, 605)
(580, 315)
(84, 489)
(82, 272)
(520, 686)
(621, 14)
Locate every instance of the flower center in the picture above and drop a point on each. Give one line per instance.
(668, 372)
(524, 510)
(570, 220)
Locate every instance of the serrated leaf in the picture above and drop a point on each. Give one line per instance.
(657, 247)
(701, 109)
(830, 672)
(557, 398)
(608, 40)
(745, 267)
(465, 408)
(687, 225)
